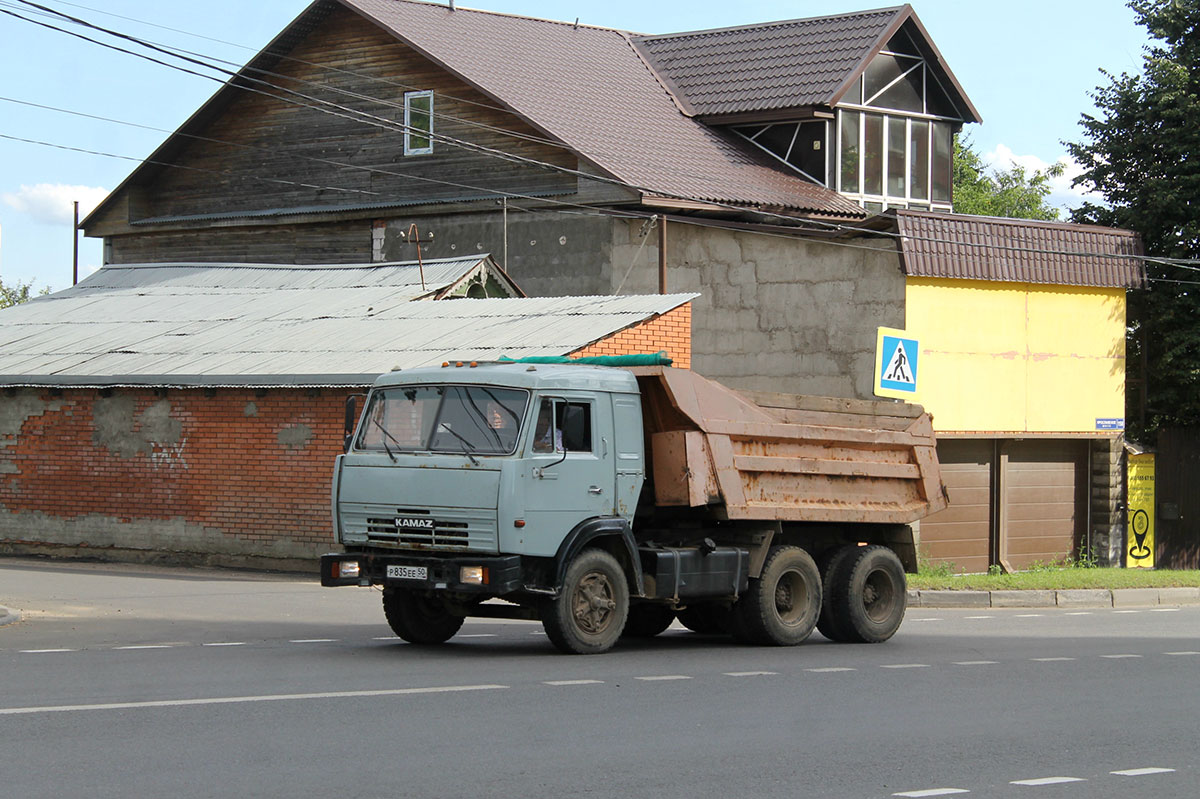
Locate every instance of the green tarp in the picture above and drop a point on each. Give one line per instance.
(645, 359)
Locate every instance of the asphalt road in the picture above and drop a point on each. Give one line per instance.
(133, 681)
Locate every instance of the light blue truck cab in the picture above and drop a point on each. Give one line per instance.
(610, 501)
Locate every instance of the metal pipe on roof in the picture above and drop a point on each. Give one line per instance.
(662, 254)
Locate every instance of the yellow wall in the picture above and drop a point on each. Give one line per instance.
(1017, 357)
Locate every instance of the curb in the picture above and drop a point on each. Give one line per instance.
(1074, 598)
(8, 616)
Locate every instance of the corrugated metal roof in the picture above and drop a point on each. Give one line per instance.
(790, 64)
(264, 324)
(1019, 250)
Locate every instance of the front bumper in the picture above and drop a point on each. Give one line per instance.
(502, 572)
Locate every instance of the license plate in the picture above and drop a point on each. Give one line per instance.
(408, 572)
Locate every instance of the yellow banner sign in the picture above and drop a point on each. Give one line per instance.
(1140, 540)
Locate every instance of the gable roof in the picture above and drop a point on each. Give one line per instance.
(780, 65)
(943, 245)
(283, 325)
(589, 87)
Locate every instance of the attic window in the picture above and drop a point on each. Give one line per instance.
(418, 123)
(800, 145)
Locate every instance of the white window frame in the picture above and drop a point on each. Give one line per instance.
(409, 149)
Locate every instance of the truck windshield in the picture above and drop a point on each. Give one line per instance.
(473, 419)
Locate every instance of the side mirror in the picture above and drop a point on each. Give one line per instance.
(351, 420)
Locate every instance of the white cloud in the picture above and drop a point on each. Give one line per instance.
(1062, 193)
(51, 203)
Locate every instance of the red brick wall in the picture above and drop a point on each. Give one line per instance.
(227, 471)
(671, 331)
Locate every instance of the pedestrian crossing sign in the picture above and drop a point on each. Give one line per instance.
(896, 357)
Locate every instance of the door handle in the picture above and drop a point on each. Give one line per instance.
(595, 490)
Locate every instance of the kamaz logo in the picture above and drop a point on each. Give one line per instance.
(414, 523)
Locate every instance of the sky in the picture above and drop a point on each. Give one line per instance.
(1028, 66)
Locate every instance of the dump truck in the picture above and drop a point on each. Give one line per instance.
(606, 502)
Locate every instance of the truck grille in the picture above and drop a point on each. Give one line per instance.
(457, 528)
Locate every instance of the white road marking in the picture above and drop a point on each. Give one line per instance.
(657, 677)
(477, 635)
(386, 638)
(574, 682)
(932, 792)
(1048, 781)
(749, 673)
(831, 669)
(145, 646)
(226, 643)
(979, 617)
(1120, 657)
(1141, 772)
(1126, 611)
(1164, 610)
(1029, 615)
(45, 651)
(313, 640)
(976, 662)
(1182, 653)
(1050, 660)
(232, 700)
(927, 619)
(1078, 613)
(905, 666)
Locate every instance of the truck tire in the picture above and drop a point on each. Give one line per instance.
(706, 618)
(830, 563)
(647, 619)
(780, 608)
(589, 613)
(868, 595)
(418, 619)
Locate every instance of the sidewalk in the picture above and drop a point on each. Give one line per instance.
(1074, 598)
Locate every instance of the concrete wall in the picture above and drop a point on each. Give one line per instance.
(775, 313)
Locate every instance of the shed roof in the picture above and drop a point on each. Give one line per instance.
(275, 325)
(1019, 250)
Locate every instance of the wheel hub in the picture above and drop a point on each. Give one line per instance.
(593, 603)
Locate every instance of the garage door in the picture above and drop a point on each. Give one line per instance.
(1045, 495)
(960, 533)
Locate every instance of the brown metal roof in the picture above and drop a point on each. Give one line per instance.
(588, 87)
(790, 64)
(1018, 250)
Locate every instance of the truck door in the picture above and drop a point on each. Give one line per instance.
(571, 475)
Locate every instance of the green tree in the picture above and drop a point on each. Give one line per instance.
(1141, 153)
(1012, 192)
(17, 293)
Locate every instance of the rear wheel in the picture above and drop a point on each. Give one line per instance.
(418, 619)
(589, 613)
(647, 619)
(868, 595)
(780, 608)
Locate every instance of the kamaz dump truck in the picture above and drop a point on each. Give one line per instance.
(607, 502)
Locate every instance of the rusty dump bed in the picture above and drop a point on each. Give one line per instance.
(787, 457)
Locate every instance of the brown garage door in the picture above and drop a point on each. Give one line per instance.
(960, 533)
(1045, 494)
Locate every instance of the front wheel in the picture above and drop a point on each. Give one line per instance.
(589, 613)
(780, 608)
(419, 619)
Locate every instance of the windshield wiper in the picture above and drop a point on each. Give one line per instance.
(383, 441)
(468, 447)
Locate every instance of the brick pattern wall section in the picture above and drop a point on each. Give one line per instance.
(222, 471)
(671, 331)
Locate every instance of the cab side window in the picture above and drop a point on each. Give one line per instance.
(563, 425)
